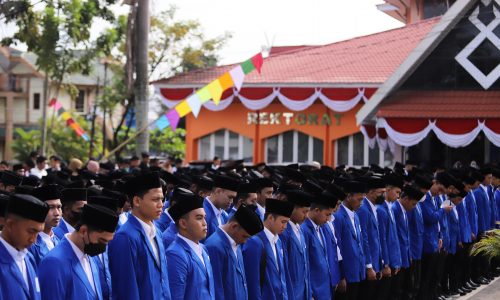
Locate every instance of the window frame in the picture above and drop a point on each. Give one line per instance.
(226, 145)
(295, 148)
(366, 152)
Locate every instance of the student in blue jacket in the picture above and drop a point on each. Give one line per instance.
(409, 198)
(73, 200)
(389, 242)
(353, 268)
(70, 270)
(137, 261)
(263, 255)
(221, 198)
(24, 219)
(226, 257)
(368, 220)
(46, 239)
(317, 244)
(190, 272)
(294, 245)
(178, 194)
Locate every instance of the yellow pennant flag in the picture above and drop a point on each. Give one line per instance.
(183, 108)
(203, 94)
(215, 90)
(65, 116)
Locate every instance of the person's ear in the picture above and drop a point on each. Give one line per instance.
(137, 201)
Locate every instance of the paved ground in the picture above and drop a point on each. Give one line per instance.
(485, 292)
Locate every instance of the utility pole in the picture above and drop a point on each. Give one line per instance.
(141, 71)
(44, 113)
(94, 113)
(104, 111)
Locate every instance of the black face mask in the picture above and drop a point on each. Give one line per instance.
(93, 249)
(380, 199)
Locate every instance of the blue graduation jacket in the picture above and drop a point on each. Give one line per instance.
(257, 254)
(389, 241)
(135, 272)
(431, 215)
(318, 261)
(416, 222)
(211, 218)
(62, 275)
(169, 235)
(371, 238)
(228, 270)
(496, 197)
(453, 231)
(443, 222)
(39, 249)
(471, 205)
(333, 259)
(403, 235)
(12, 285)
(483, 210)
(351, 246)
(189, 278)
(104, 274)
(463, 220)
(60, 230)
(164, 221)
(296, 256)
(493, 205)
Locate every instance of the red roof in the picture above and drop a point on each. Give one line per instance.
(445, 104)
(369, 59)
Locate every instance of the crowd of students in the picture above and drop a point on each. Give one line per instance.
(153, 231)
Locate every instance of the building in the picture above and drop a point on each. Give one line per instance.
(22, 90)
(308, 102)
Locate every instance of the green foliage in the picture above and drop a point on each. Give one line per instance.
(168, 143)
(488, 246)
(25, 142)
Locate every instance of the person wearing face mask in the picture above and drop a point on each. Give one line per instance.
(47, 240)
(215, 205)
(73, 200)
(263, 255)
(24, 219)
(70, 270)
(224, 249)
(352, 268)
(368, 220)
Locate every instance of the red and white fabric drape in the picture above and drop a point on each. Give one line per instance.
(295, 99)
(452, 132)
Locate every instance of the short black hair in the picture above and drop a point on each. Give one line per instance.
(216, 158)
(5, 163)
(267, 214)
(317, 205)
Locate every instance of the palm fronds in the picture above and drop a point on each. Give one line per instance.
(488, 246)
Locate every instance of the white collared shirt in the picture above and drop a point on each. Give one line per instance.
(485, 189)
(38, 173)
(273, 239)
(70, 228)
(217, 212)
(350, 213)
(195, 246)
(233, 244)
(47, 239)
(374, 209)
(84, 261)
(403, 209)
(261, 209)
(18, 257)
(332, 228)
(150, 231)
(389, 205)
(454, 209)
(318, 233)
(295, 228)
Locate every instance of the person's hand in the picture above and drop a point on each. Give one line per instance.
(473, 236)
(447, 208)
(342, 286)
(370, 274)
(386, 272)
(460, 245)
(440, 244)
(396, 271)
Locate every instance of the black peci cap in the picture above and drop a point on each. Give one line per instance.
(47, 192)
(412, 192)
(28, 207)
(111, 203)
(186, 205)
(142, 183)
(226, 182)
(282, 208)
(354, 187)
(249, 220)
(299, 198)
(99, 217)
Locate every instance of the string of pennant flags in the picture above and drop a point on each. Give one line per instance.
(70, 122)
(213, 91)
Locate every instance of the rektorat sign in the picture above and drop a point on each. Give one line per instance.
(286, 118)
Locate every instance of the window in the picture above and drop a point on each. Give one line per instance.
(293, 146)
(36, 101)
(226, 145)
(80, 101)
(354, 151)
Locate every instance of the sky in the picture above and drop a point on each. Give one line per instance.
(255, 24)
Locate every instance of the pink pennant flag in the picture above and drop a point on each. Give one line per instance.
(237, 75)
(57, 105)
(173, 118)
(257, 61)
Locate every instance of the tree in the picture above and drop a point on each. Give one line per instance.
(59, 33)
